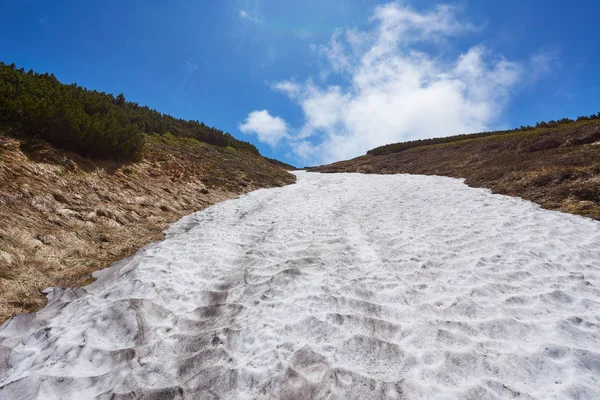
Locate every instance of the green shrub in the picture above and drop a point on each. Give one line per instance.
(89, 122)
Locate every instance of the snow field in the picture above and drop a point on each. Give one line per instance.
(341, 286)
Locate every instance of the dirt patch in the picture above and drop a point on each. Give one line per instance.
(63, 216)
(558, 168)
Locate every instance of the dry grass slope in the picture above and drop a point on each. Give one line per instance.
(63, 216)
(558, 168)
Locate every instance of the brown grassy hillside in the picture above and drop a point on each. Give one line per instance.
(558, 167)
(63, 216)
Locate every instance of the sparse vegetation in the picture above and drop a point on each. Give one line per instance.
(555, 164)
(64, 216)
(540, 126)
(87, 178)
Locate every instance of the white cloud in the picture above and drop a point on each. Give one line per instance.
(288, 87)
(336, 53)
(267, 128)
(394, 91)
(244, 14)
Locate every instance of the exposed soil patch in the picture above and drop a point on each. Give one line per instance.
(63, 216)
(558, 168)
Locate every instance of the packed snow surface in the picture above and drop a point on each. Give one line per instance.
(340, 286)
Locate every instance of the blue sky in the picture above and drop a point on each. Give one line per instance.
(314, 81)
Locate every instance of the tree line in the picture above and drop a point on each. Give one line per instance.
(91, 123)
(402, 146)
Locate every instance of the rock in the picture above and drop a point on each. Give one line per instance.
(60, 198)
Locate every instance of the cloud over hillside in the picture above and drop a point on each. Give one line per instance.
(398, 80)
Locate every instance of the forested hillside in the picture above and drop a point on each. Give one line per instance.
(91, 123)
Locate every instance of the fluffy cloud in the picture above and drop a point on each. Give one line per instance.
(267, 128)
(394, 91)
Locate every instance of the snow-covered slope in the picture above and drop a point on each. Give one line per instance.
(340, 286)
